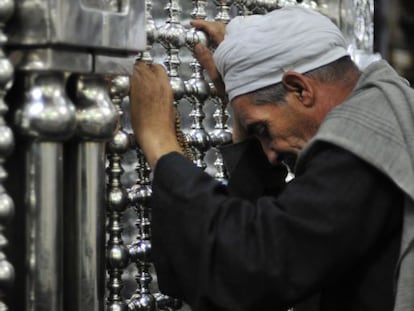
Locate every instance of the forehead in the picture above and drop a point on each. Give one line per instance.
(245, 109)
(242, 102)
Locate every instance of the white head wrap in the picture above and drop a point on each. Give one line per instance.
(258, 49)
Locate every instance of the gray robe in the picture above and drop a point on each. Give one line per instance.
(377, 124)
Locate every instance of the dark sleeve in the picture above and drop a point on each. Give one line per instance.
(221, 252)
(250, 173)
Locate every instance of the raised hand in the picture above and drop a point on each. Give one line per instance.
(215, 32)
(152, 111)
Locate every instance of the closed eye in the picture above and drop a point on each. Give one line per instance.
(258, 129)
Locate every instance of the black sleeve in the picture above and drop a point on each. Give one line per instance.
(251, 176)
(221, 252)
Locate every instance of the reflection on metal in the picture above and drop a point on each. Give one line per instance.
(221, 134)
(73, 49)
(97, 121)
(363, 24)
(356, 23)
(62, 22)
(6, 147)
(309, 4)
(140, 250)
(139, 194)
(167, 303)
(172, 36)
(223, 10)
(47, 113)
(197, 90)
(117, 201)
(151, 32)
(332, 9)
(283, 3)
(117, 6)
(260, 6)
(44, 226)
(46, 118)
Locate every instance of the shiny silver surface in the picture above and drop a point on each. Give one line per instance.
(117, 202)
(58, 22)
(140, 250)
(97, 121)
(223, 10)
(197, 91)
(7, 209)
(151, 32)
(44, 220)
(50, 35)
(97, 118)
(84, 230)
(113, 65)
(81, 51)
(172, 36)
(47, 59)
(46, 118)
(47, 112)
(221, 133)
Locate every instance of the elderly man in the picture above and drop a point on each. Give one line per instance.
(337, 237)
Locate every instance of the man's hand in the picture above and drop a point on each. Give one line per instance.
(215, 32)
(152, 112)
(205, 58)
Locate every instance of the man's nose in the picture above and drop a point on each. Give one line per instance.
(271, 154)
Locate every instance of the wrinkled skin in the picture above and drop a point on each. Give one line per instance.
(152, 111)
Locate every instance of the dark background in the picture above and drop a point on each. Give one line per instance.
(394, 34)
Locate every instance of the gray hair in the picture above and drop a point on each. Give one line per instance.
(335, 72)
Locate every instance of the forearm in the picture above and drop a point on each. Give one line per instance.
(152, 113)
(220, 250)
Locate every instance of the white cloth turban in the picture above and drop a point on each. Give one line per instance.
(258, 49)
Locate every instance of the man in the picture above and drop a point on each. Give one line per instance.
(337, 237)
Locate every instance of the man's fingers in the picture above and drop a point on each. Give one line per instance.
(200, 24)
(205, 58)
(159, 73)
(140, 66)
(215, 30)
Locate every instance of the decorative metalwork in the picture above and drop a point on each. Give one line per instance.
(259, 6)
(199, 9)
(46, 61)
(223, 10)
(151, 33)
(198, 91)
(283, 3)
(46, 118)
(309, 4)
(140, 250)
(117, 201)
(221, 134)
(363, 24)
(140, 192)
(172, 36)
(97, 122)
(6, 148)
(167, 303)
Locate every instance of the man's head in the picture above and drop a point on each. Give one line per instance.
(283, 72)
(286, 115)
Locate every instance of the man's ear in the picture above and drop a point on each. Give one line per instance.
(300, 85)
